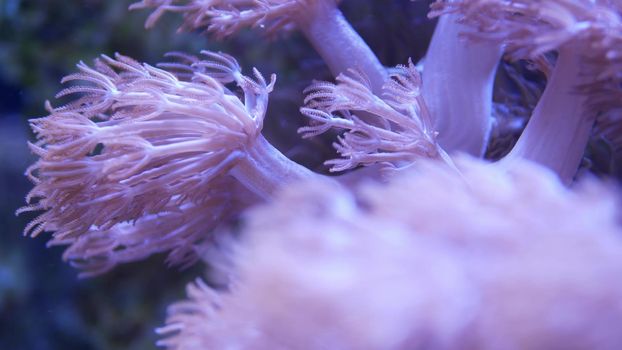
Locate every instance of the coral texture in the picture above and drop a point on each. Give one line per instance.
(394, 128)
(491, 258)
(451, 252)
(137, 164)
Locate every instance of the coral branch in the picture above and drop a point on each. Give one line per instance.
(561, 124)
(264, 169)
(458, 81)
(320, 20)
(586, 35)
(141, 145)
(397, 127)
(340, 45)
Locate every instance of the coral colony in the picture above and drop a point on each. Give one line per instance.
(437, 249)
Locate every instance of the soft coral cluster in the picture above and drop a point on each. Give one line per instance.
(140, 163)
(585, 81)
(383, 268)
(149, 159)
(393, 129)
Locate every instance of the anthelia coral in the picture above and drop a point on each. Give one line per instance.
(320, 21)
(145, 161)
(396, 127)
(463, 254)
(585, 80)
(492, 258)
(342, 49)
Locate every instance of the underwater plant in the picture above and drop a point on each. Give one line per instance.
(150, 159)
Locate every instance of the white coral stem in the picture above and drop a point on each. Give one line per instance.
(458, 81)
(560, 126)
(340, 45)
(264, 169)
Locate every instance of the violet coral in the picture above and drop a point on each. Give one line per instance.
(142, 145)
(342, 49)
(144, 161)
(148, 160)
(463, 73)
(520, 265)
(320, 20)
(586, 35)
(394, 128)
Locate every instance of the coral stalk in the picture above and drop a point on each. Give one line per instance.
(458, 78)
(264, 169)
(396, 127)
(320, 20)
(586, 35)
(518, 266)
(339, 44)
(142, 145)
(561, 124)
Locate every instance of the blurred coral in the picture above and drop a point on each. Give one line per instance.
(491, 258)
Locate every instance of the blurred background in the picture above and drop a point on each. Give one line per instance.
(43, 305)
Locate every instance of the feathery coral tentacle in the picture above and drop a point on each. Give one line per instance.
(141, 146)
(397, 127)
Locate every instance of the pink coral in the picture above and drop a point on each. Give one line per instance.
(489, 259)
(585, 81)
(392, 128)
(474, 255)
(225, 17)
(141, 162)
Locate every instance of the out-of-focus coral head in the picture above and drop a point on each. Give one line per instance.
(492, 258)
